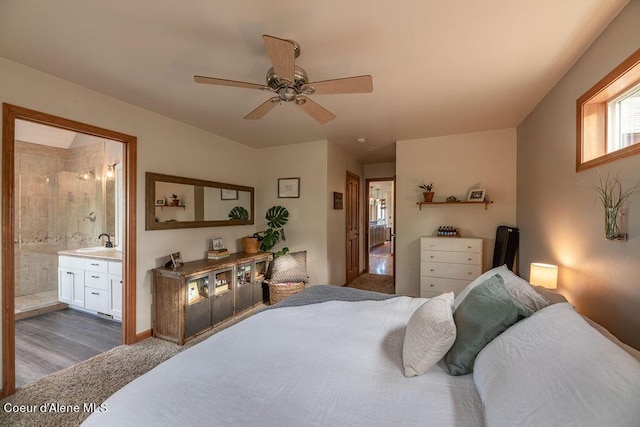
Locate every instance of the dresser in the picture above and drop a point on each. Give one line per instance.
(448, 264)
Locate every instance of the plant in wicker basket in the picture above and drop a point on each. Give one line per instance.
(277, 217)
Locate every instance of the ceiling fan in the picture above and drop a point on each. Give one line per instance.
(290, 83)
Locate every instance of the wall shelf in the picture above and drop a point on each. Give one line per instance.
(171, 206)
(486, 203)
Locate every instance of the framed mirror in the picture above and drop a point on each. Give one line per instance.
(178, 202)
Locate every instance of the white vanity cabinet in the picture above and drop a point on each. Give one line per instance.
(91, 284)
(448, 264)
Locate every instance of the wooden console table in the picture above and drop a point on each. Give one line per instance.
(193, 298)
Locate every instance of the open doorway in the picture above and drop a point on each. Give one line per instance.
(34, 231)
(380, 228)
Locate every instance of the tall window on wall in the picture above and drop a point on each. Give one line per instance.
(608, 116)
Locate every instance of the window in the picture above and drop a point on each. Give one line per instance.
(608, 116)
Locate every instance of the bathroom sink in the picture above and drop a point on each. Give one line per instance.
(95, 249)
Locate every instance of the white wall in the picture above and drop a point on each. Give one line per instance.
(454, 164)
(339, 162)
(559, 221)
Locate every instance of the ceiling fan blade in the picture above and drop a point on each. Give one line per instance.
(223, 82)
(358, 84)
(282, 55)
(319, 113)
(263, 109)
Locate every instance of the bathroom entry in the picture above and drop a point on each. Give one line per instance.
(68, 200)
(381, 226)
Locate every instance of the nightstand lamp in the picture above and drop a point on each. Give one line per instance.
(545, 275)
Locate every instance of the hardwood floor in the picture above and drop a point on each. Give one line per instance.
(53, 341)
(381, 259)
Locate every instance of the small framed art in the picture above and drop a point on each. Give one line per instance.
(160, 202)
(288, 188)
(176, 260)
(226, 194)
(476, 195)
(337, 200)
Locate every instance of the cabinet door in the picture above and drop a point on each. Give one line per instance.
(71, 286)
(244, 290)
(115, 296)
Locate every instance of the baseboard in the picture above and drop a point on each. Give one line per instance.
(144, 335)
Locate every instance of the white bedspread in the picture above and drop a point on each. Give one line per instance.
(330, 364)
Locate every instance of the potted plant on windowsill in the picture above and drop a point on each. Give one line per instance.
(277, 217)
(428, 194)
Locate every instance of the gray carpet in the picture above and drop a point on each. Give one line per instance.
(94, 380)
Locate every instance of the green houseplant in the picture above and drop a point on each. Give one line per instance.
(428, 194)
(613, 198)
(277, 217)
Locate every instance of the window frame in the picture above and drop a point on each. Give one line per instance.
(592, 111)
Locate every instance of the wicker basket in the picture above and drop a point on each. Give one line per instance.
(280, 291)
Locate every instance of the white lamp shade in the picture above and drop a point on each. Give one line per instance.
(545, 275)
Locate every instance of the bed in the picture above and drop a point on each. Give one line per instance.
(332, 356)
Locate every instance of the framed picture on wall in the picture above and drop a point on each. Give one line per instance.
(288, 188)
(476, 195)
(226, 194)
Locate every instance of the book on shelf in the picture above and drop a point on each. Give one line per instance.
(217, 253)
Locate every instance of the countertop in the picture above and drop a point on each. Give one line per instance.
(109, 254)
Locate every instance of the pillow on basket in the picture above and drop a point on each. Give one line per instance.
(291, 267)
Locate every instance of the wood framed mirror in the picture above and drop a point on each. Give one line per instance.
(177, 202)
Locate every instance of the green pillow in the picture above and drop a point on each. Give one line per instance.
(485, 313)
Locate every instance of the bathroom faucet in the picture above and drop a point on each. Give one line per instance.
(108, 244)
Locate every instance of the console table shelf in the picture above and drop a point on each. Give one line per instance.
(486, 203)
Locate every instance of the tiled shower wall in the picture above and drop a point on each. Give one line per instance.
(52, 206)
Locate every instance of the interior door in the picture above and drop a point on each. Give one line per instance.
(353, 226)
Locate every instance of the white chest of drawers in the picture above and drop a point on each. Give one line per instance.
(448, 264)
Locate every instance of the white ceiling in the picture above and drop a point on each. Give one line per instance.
(438, 67)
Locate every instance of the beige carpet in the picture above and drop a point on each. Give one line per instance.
(92, 381)
(374, 282)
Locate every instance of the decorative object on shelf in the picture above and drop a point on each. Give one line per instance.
(476, 195)
(452, 199)
(217, 243)
(226, 194)
(448, 231)
(613, 198)
(250, 245)
(288, 188)
(238, 212)
(175, 201)
(545, 275)
(217, 253)
(160, 202)
(337, 200)
(428, 194)
(176, 260)
(277, 217)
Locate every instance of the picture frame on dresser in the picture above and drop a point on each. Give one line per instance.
(476, 195)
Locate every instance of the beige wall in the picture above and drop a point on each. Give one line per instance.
(339, 163)
(454, 164)
(559, 221)
(307, 227)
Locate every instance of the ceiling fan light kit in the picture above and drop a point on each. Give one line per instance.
(290, 82)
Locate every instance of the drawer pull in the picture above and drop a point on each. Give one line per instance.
(95, 277)
(432, 285)
(95, 293)
(95, 265)
(431, 256)
(70, 272)
(469, 259)
(431, 269)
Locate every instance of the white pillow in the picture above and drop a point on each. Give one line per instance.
(552, 368)
(429, 335)
(518, 289)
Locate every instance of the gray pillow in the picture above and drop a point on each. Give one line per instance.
(485, 313)
(291, 267)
